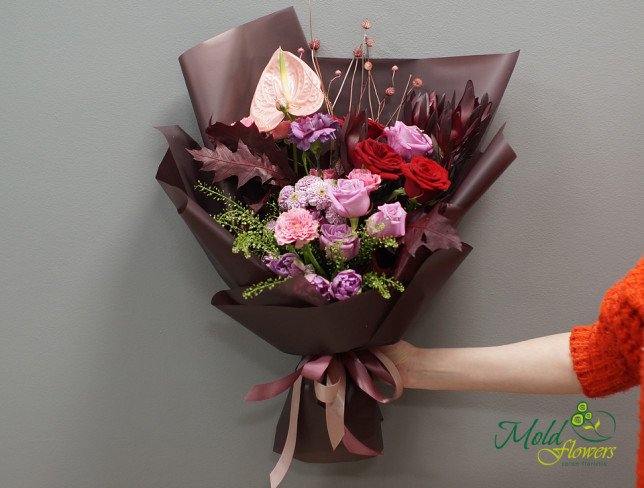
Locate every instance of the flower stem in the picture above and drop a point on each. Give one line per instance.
(305, 163)
(354, 223)
(310, 259)
(294, 159)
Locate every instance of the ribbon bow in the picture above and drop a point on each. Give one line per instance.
(362, 366)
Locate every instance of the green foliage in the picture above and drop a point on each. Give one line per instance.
(369, 244)
(334, 258)
(381, 283)
(251, 232)
(268, 284)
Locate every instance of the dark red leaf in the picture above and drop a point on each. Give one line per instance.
(353, 130)
(432, 230)
(257, 142)
(243, 164)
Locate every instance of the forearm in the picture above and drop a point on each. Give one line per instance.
(542, 365)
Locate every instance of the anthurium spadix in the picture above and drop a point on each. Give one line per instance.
(287, 85)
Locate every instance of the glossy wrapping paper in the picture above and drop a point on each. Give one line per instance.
(221, 75)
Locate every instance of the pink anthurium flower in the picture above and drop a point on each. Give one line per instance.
(286, 85)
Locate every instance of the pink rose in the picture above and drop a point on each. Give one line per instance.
(296, 226)
(408, 140)
(349, 198)
(371, 181)
(388, 221)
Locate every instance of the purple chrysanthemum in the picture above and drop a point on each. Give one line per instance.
(317, 127)
(317, 195)
(333, 217)
(284, 195)
(297, 199)
(305, 182)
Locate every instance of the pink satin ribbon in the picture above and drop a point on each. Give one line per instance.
(362, 366)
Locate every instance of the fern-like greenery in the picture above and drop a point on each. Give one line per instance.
(369, 244)
(268, 284)
(381, 283)
(252, 236)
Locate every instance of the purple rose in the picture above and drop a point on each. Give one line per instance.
(350, 198)
(288, 264)
(346, 284)
(320, 284)
(339, 238)
(306, 130)
(408, 140)
(388, 221)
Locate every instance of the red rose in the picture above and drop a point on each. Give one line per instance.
(378, 158)
(424, 178)
(374, 129)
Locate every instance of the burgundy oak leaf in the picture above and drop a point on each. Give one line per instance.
(432, 230)
(242, 163)
(257, 142)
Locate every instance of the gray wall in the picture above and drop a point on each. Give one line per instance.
(114, 369)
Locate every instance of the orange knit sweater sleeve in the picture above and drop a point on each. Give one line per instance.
(606, 355)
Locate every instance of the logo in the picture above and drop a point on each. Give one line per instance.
(583, 439)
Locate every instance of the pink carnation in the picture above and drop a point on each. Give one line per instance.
(296, 226)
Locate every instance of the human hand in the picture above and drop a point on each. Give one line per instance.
(402, 354)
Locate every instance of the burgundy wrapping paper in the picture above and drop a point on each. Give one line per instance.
(362, 418)
(221, 75)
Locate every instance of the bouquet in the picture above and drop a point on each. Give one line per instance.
(327, 195)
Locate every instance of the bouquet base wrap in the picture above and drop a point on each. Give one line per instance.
(362, 419)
